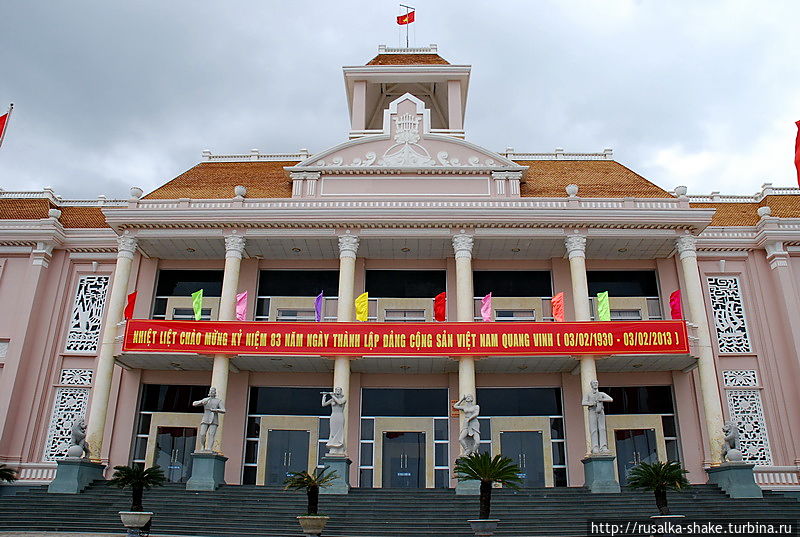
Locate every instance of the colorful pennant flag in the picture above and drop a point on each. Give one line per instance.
(408, 18)
(603, 308)
(797, 152)
(318, 302)
(197, 304)
(362, 307)
(486, 307)
(557, 305)
(4, 120)
(440, 307)
(675, 305)
(241, 306)
(131, 304)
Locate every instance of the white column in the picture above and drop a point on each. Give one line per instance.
(576, 251)
(465, 312)
(234, 249)
(95, 427)
(709, 383)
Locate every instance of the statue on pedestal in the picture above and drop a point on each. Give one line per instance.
(731, 450)
(78, 447)
(212, 408)
(470, 437)
(336, 400)
(597, 417)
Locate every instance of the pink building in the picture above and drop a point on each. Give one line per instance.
(404, 208)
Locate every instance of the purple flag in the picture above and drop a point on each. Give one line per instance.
(486, 307)
(318, 306)
(241, 306)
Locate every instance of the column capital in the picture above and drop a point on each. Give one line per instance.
(126, 246)
(687, 246)
(234, 246)
(576, 245)
(348, 246)
(462, 245)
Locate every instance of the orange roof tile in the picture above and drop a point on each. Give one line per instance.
(24, 209)
(216, 180)
(745, 214)
(82, 217)
(408, 59)
(595, 179)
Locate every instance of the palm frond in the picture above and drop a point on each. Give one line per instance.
(7, 474)
(136, 476)
(658, 476)
(321, 478)
(485, 468)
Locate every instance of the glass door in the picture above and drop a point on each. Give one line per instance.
(174, 447)
(525, 448)
(404, 460)
(287, 451)
(634, 446)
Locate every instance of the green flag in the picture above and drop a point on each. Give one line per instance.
(603, 309)
(197, 304)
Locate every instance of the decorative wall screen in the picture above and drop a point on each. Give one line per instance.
(76, 377)
(747, 411)
(69, 406)
(87, 314)
(728, 310)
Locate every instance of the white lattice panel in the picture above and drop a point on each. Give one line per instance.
(736, 378)
(76, 377)
(747, 412)
(69, 406)
(729, 318)
(87, 314)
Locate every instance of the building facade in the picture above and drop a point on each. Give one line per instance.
(405, 208)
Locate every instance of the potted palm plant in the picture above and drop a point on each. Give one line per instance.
(312, 522)
(138, 479)
(482, 467)
(658, 477)
(7, 474)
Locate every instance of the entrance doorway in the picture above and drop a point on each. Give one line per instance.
(287, 451)
(634, 446)
(404, 460)
(525, 449)
(174, 447)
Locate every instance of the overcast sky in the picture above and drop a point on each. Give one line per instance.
(114, 94)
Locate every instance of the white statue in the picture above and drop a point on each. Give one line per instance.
(470, 437)
(78, 447)
(212, 408)
(731, 450)
(597, 417)
(336, 401)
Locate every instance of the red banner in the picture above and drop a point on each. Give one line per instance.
(422, 339)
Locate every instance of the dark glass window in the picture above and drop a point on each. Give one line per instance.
(639, 400)
(512, 282)
(298, 282)
(186, 282)
(623, 282)
(164, 398)
(520, 401)
(403, 402)
(405, 283)
(286, 401)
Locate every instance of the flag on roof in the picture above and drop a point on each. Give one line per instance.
(796, 151)
(408, 18)
(4, 119)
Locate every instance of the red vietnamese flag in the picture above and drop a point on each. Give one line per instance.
(4, 123)
(408, 18)
(675, 306)
(131, 304)
(440, 306)
(797, 152)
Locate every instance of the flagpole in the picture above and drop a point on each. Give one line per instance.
(8, 121)
(407, 23)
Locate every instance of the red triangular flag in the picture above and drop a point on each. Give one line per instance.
(676, 311)
(130, 306)
(440, 307)
(408, 18)
(4, 123)
(797, 152)
(557, 305)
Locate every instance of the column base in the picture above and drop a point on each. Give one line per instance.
(736, 479)
(74, 475)
(208, 471)
(600, 473)
(472, 487)
(341, 464)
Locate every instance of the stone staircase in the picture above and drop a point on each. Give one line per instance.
(240, 511)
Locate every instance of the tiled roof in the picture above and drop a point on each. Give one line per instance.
(216, 180)
(408, 59)
(745, 214)
(24, 209)
(595, 179)
(82, 217)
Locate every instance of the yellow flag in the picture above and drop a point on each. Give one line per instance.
(362, 307)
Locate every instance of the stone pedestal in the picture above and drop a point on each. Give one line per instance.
(208, 471)
(74, 475)
(600, 473)
(735, 478)
(471, 487)
(341, 464)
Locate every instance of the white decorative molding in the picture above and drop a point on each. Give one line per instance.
(729, 317)
(126, 246)
(234, 246)
(348, 246)
(776, 254)
(737, 378)
(686, 246)
(69, 406)
(576, 245)
(76, 377)
(462, 245)
(42, 253)
(746, 410)
(87, 314)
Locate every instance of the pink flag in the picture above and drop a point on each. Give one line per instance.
(486, 307)
(557, 305)
(241, 306)
(675, 305)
